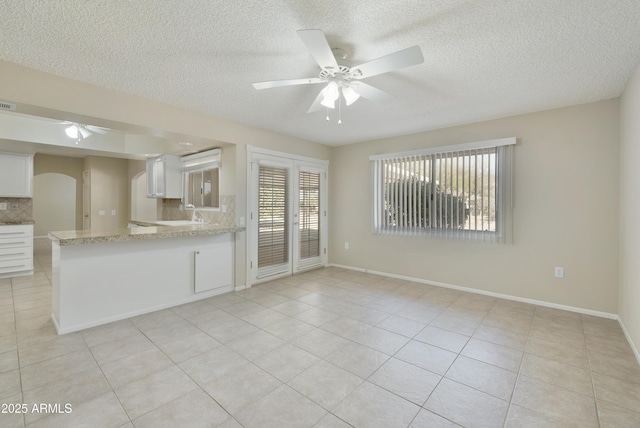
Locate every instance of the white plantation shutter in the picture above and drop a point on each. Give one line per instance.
(461, 192)
(309, 218)
(273, 216)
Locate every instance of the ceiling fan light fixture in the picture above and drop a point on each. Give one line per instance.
(71, 131)
(330, 94)
(76, 131)
(84, 131)
(328, 103)
(350, 95)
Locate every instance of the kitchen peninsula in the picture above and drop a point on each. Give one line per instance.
(104, 276)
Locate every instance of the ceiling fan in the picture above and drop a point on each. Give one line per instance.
(339, 77)
(79, 131)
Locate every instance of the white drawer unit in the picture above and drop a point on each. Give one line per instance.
(16, 250)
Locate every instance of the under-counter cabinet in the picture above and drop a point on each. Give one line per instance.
(16, 250)
(16, 175)
(213, 265)
(97, 282)
(164, 177)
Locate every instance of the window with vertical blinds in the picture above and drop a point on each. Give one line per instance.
(273, 217)
(461, 191)
(309, 219)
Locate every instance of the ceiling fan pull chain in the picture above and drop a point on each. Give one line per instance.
(327, 114)
(339, 110)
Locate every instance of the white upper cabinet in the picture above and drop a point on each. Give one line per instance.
(164, 177)
(16, 175)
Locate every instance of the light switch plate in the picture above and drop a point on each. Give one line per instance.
(3, 206)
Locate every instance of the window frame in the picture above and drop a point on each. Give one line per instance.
(503, 192)
(199, 163)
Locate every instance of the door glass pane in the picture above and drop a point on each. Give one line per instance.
(273, 221)
(309, 222)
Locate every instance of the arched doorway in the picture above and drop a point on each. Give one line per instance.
(54, 203)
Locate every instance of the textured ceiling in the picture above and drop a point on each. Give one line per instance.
(483, 59)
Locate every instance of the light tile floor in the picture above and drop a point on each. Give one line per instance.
(328, 348)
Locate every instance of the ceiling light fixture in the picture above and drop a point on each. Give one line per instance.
(350, 96)
(330, 93)
(77, 132)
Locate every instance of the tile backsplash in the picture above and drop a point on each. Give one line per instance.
(171, 211)
(17, 209)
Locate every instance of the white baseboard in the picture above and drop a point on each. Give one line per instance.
(626, 334)
(486, 293)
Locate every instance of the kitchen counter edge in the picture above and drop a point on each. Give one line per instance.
(81, 237)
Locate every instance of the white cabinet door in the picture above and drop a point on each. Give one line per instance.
(214, 266)
(16, 175)
(164, 177)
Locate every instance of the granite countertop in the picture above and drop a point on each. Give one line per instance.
(15, 222)
(79, 237)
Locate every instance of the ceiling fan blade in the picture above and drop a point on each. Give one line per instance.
(395, 61)
(97, 129)
(289, 82)
(319, 48)
(316, 105)
(371, 93)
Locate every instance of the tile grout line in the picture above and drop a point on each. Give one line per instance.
(106, 378)
(518, 374)
(593, 384)
(15, 328)
(187, 374)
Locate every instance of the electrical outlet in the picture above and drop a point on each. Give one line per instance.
(101, 212)
(113, 212)
(346, 245)
(3, 206)
(559, 272)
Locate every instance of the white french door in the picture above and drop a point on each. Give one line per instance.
(288, 215)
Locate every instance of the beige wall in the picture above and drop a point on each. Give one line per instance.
(629, 294)
(110, 191)
(566, 211)
(72, 167)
